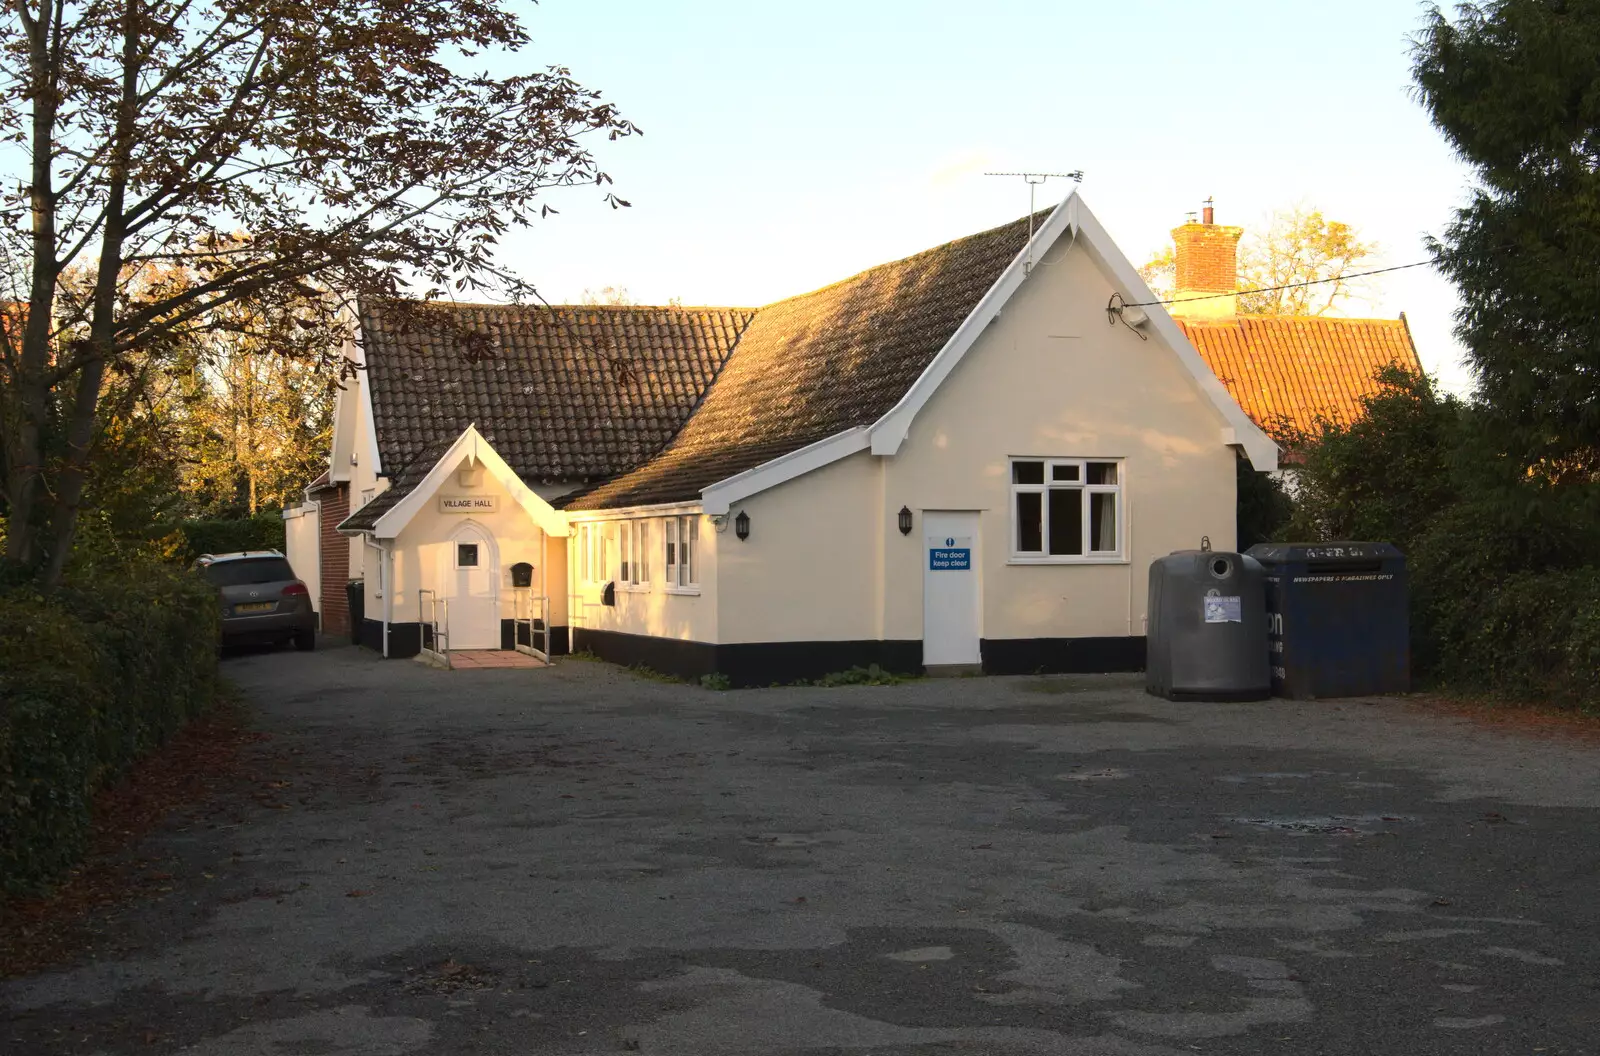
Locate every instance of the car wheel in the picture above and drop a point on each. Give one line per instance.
(305, 641)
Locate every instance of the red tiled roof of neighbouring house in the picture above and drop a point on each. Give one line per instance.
(1293, 370)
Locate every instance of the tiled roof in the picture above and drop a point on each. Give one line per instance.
(1294, 369)
(818, 364)
(401, 484)
(542, 391)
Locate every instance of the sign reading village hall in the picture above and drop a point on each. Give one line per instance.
(468, 503)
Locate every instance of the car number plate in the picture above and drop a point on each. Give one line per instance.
(256, 606)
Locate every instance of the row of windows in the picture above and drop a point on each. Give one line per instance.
(624, 551)
(1062, 510)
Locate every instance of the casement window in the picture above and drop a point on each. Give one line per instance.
(682, 543)
(1066, 510)
(633, 547)
(592, 564)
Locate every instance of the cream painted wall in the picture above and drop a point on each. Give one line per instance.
(303, 547)
(363, 476)
(826, 561)
(1050, 378)
(810, 569)
(651, 609)
(423, 549)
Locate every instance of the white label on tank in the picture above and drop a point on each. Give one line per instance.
(1223, 610)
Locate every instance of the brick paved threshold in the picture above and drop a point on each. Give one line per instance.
(468, 659)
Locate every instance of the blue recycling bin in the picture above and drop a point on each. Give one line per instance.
(1338, 619)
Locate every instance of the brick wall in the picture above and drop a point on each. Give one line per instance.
(335, 507)
(1207, 257)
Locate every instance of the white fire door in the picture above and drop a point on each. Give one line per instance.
(950, 616)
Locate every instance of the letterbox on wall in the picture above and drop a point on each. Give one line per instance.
(522, 574)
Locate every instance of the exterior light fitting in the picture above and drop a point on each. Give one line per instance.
(741, 526)
(905, 520)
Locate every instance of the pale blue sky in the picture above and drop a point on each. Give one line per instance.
(789, 145)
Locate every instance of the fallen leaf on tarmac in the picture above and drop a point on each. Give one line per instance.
(357, 894)
(984, 847)
(1441, 901)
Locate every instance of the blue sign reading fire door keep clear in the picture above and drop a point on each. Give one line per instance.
(950, 557)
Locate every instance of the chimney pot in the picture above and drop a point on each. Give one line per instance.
(1209, 216)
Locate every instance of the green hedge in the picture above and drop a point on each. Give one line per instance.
(264, 531)
(1529, 636)
(90, 679)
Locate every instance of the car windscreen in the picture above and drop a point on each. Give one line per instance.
(251, 570)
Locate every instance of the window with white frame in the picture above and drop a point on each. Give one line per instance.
(1066, 509)
(633, 548)
(593, 566)
(682, 544)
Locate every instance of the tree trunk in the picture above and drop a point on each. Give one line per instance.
(103, 322)
(25, 449)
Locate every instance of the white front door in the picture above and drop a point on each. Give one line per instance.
(950, 620)
(473, 580)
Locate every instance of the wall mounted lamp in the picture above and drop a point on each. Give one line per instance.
(905, 520)
(741, 526)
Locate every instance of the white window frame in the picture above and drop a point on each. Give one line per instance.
(593, 554)
(1118, 556)
(455, 554)
(681, 535)
(633, 546)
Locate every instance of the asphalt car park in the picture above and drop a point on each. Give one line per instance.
(580, 860)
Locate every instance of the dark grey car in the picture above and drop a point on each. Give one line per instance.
(262, 600)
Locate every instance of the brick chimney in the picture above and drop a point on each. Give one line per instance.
(1207, 264)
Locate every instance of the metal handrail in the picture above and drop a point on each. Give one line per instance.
(440, 628)
(518, 619)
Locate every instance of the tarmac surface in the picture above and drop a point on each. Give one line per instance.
(580, 860)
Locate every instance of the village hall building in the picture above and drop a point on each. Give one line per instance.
(965, 459)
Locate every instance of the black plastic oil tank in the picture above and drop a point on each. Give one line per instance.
(1207, 635)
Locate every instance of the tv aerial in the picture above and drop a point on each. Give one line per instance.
(1033, 180)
